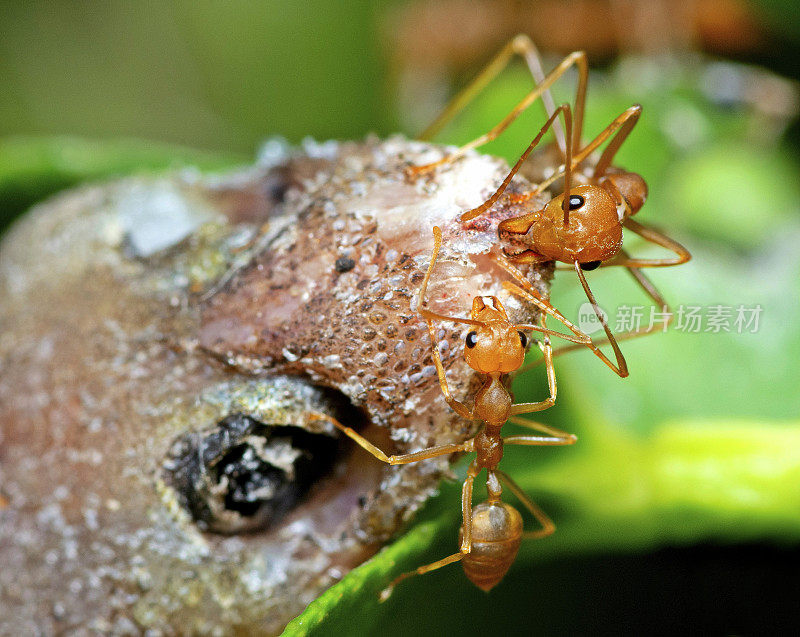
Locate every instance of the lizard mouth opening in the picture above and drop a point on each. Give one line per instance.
(245, 476)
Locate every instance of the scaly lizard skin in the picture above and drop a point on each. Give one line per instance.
(154, 331)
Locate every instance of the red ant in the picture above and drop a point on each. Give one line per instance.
(491, 531)
(583, 225)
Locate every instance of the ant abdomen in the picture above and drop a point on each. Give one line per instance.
(496, 536)
(630, 186)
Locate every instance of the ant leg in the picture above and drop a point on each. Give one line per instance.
(540, 441)
(565, 108)
(651, 291)
(386, 592)
(456, 405)
(406, 458)
(460, 408)
(466, 508)
(547, 352)
(647, 285)
(533, 297)
(622, 126)
(528, 293)
(547, 330)
(577, 58)
(466, 542)
(626, 122)
(423, 290)
(520, 45)
(541, 517)
(563, 436)
(653, 236)
(621, 368)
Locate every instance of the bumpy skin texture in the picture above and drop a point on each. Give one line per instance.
(137, 313)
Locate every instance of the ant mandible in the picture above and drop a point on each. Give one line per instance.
(598, 208)
(492, 531)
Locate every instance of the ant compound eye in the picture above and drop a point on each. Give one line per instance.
(522, 338)
(590, 265)
(472, 339)
(576, 201)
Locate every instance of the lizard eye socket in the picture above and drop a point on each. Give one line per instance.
(244, 475)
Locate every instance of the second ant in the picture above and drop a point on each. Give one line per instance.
(492, 531)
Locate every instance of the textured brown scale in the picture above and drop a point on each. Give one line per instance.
(268, 290)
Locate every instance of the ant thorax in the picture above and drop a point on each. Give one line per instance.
(493, 402)
(628, 189)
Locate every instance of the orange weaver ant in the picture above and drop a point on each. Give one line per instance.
(598, 207)
(491, 532)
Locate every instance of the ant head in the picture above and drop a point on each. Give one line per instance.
(495, 346)
(592, 233)
(628, 189)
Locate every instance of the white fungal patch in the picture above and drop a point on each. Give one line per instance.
(154, 219)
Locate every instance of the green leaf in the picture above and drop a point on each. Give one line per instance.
(357, 594)
(756, 192)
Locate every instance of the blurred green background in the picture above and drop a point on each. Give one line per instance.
(679, 510)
